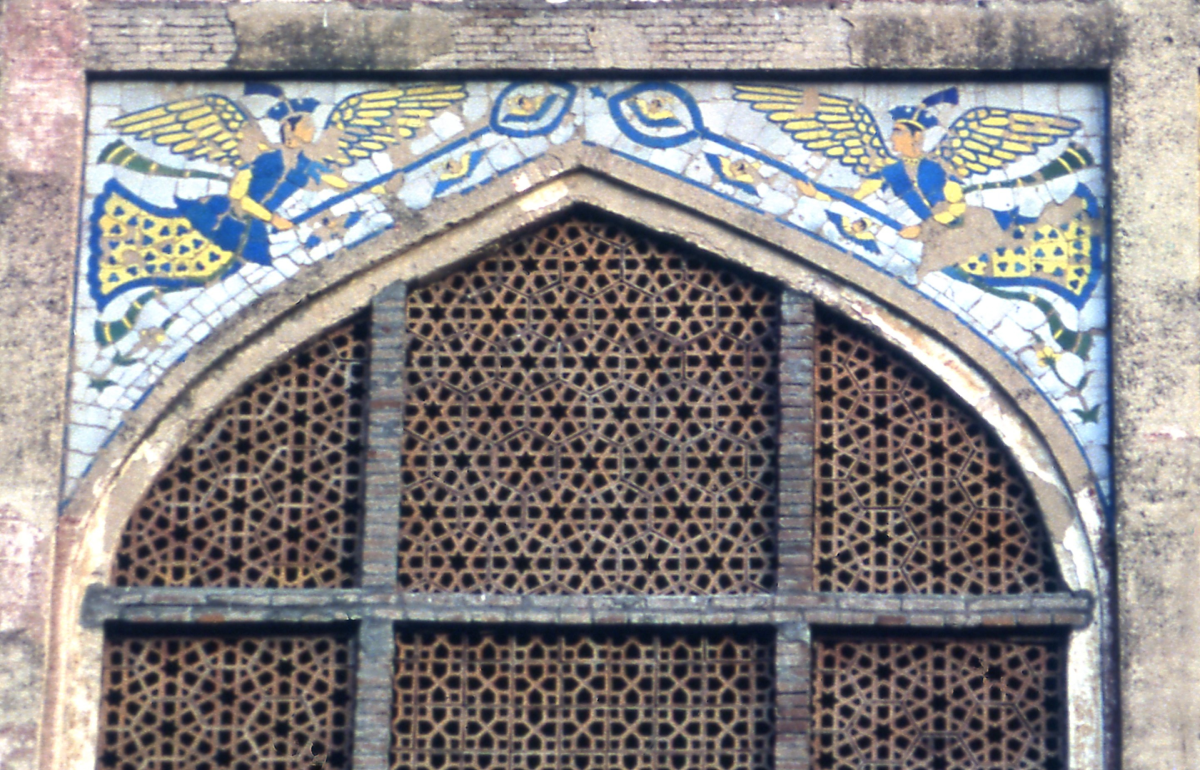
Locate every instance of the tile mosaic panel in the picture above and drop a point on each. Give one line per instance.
(988, 199)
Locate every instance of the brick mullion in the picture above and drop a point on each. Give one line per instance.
(795, 443)
(385, 415)
(373, 694)
(381, 526)
(793, 698)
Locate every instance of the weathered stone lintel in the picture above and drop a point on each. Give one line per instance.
(726, 36)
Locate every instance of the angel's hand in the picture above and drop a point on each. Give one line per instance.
(334, 181)
(389, 187)
(281, 224)
(809, 190)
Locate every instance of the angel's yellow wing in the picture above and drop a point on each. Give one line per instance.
(370, 121)
(209, 127)
(834, 126)
(988, 138)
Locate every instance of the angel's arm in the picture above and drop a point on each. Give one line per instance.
(868, 187)
(321, 173)
(239, 193)
(334, 181)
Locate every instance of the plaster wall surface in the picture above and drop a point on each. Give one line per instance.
(1145, 51)
(42, 87)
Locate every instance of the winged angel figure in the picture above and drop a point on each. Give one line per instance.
(1053, 243)
(137, 244)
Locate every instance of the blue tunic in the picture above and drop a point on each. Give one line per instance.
(929, 190)
(218, 218)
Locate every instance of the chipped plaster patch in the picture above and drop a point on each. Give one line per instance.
(545, 197)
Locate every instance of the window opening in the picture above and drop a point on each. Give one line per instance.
(593, 420)
(269, 492)
(972, 704)
(585, 700)
(913, 494)
(590, 411)
(246, 702)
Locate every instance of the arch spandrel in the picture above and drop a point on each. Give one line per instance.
(967, 222)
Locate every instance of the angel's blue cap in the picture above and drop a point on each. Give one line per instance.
(283, 108)
(917, 117)
(922, 116)
(947, 96)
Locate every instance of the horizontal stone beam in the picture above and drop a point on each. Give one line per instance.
(223, 606)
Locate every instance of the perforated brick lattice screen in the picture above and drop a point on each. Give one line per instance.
(942, 705)
(912, 494)
(611, 701)
(590, 411)
(269, 492)
(261, 703)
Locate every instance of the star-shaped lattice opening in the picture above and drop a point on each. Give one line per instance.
(913, 493)
(590, 411)
(269, 492)
(975, 705)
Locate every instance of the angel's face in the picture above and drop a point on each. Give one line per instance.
(299, 133)
(907, 142)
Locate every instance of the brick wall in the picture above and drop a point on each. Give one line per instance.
(626, 34)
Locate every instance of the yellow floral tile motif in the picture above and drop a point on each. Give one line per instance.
(1062, 254)
(135, 244)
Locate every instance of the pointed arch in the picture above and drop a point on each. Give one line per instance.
(446, 235)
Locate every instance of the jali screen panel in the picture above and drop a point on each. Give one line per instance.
(941, 705)
(269, 492)
(582, 701)
(209, 703)
(912, 494)
(590, 411)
